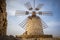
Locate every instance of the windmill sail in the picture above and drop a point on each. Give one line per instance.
(28, 5)
(39, 7)
(23, 23)
(44, 25)
(48, 13)
(21, 13)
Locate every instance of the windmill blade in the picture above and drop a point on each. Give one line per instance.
(39, 7)
(21, 13)
(28, 5)
(23, 23)
(48, 13)
(44, 25)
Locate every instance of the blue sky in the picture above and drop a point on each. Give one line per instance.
(53, 22)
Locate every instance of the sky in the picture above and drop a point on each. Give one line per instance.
(53, 22)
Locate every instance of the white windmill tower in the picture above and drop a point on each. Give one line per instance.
(34, 24)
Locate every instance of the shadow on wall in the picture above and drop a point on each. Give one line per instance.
(5, 37)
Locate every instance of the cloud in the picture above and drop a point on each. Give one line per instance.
(13, 28)
(53, 28)
(53, 23)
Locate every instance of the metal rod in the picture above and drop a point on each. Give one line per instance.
(34, 3)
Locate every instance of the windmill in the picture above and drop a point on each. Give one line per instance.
(34, 25)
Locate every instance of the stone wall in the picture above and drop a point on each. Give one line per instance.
(39, 39)
(3, 17)
(34, 26)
